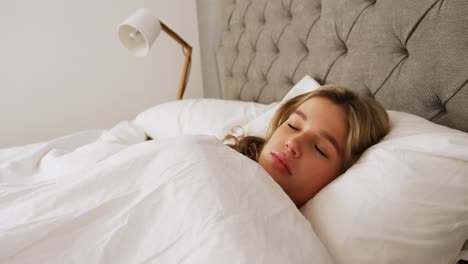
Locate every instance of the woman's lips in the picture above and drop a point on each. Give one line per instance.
(280, 162)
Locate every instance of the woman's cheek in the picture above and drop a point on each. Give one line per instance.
(317, 170)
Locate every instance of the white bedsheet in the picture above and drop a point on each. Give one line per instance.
(115, 198)
(36, 162)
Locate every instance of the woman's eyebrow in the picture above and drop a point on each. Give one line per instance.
(300, 114)
(324, 134)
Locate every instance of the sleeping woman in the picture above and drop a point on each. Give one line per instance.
(182, 198)
(315, 137)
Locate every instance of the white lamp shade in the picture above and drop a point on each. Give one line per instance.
(138, 32)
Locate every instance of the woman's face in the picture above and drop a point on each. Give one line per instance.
(306, 152)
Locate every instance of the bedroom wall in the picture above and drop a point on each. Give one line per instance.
(211, 46)
(63, 69)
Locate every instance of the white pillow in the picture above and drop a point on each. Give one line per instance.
(213, 117)
(404, 201)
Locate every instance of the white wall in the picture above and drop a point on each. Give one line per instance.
(210, 32)
(62, 68)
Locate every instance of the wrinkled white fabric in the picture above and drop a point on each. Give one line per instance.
(186, 199)
(45, 160)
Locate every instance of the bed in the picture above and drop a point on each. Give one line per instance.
(114, 196)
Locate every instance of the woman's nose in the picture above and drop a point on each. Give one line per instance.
(292, 146)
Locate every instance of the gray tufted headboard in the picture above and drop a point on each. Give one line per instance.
(412, 55)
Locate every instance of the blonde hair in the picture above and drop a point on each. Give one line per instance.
(367, 122)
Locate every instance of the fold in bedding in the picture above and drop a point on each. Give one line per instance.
(122, 199)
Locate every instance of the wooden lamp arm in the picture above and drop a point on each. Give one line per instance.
(188, 58)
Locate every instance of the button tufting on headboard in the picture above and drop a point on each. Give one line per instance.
(344, 48)
(403, 52)
(410, 55)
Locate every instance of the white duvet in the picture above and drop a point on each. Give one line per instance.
(112, 197)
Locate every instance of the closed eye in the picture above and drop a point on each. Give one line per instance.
(293, 127)
(321, 152)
